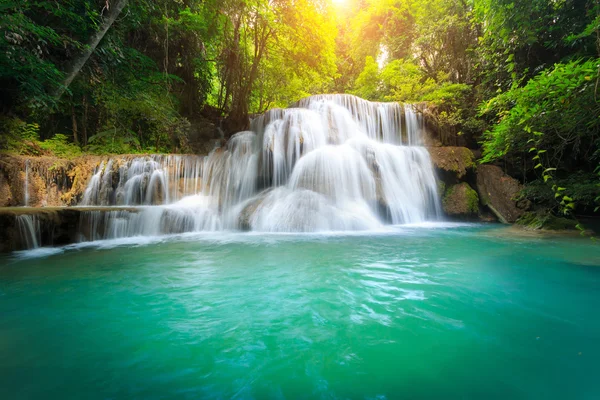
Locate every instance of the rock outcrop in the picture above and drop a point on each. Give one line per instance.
(22, 227)
(245, 216)
(461, 201)
(498, 192)
(28, 227)
(452, 164)
(43, 181)
(544, 220)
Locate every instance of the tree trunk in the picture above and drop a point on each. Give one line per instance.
(76, 64)
(74, 122)
(84, 122)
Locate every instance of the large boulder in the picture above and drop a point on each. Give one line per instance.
(461, 201)
(498, 192)
(452, 164)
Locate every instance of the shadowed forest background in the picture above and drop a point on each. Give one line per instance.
(517, 80)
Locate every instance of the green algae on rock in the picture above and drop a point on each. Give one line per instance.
(461, 201)
(452, 163)
(546, 221)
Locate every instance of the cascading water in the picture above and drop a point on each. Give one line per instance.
(147, 180)
(330, 162)
(29, 230)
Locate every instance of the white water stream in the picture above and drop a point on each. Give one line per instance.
(331, 162)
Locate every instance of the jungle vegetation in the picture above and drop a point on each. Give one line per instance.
(517, 79)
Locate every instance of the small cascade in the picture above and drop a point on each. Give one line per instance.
(29, 230)
(329, 162)
(26, 189)
(145, 180)
(191, 215)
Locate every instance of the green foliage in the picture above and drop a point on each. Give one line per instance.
(404, 81)
(556, 111)
(526, 73)
(24, 138)
(59, 145)
(581, 188)
(521, 38)
(19, 137)
(22, 67)
(35, 38)
(139, 118)
(112, 141)
(369, 84)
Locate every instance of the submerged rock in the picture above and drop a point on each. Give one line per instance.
(248, 210)
(498, 192)
(461, 201)
(546, 221)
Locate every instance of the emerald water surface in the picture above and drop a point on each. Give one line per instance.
(459, 312)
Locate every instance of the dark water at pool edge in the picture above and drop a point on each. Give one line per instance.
(461, 312)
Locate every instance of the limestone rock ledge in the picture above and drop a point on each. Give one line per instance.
(49, 181)
(48, 226)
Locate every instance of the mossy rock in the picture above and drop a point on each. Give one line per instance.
(499, 192)
(452, 163)
(461, 201)
(546, 221)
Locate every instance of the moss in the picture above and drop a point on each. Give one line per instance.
(441, 187)
(462, 159)
(472, 200)
(546, 221)
(461, 199)
(455, 160)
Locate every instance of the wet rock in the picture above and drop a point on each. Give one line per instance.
(461, 201)
(204, 132)
(498, 192)
(51, 226)
(5, 192)
(248, 210)
(50, 181)
(544, 220)
(452, 164)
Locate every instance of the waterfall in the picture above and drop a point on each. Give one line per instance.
(29, 230)
(144, 180)
(329, 162)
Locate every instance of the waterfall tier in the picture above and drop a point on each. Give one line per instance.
(329, 162)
